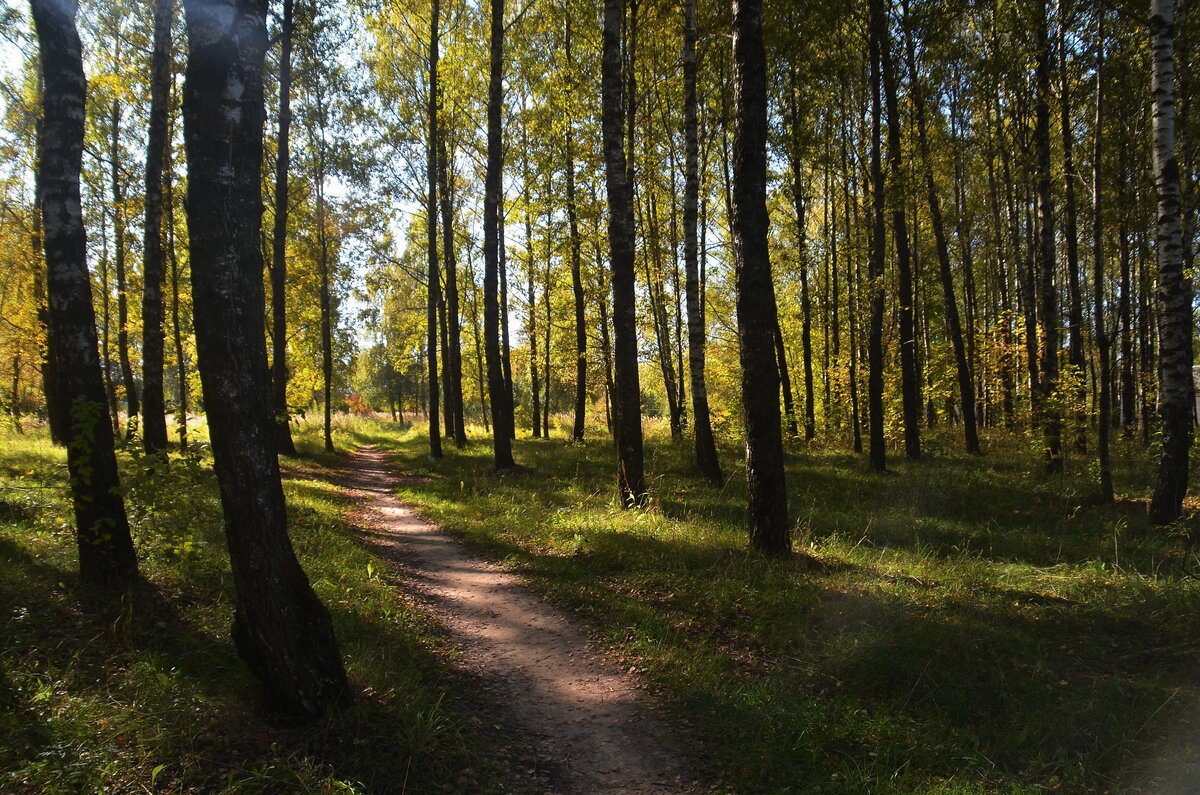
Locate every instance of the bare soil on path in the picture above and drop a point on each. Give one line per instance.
(584, 720)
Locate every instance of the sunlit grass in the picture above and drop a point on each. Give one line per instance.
(961, 625)
(150, 694)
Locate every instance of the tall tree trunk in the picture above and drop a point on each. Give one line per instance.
(14, 406)
(1005, 364)
(106, 556)
(280, 628)
(57, 411)
(706, 449)
(106, 358)
(627, 425)
(852, 300)
(966, 386)
(576, 263)
(1051, 413)
(480, 371)
(181, 369)
(677, 295)
(502, 409)
(118, 195)
(756, 312)
(876, 35)
(531, 331)
(154, 425)
(606, 346)
(434, 293)
(1147, 323)
(801, 207)
(1174, 288)
(453, 362)
(785, 382)
(546, 291)
(1075, 355)
(1102, 341)
(1128, 333)
(910, 380)
(279, 367)
(1025, 272)
(326, 301)
(502, 254)
(658, 312)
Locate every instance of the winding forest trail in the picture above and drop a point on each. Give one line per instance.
(589, 727)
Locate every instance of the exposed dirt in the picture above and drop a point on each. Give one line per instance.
(585, 726)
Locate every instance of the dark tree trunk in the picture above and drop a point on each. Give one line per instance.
(966, 387)
(453, 362)
(627, 425)
(1026, 281)
(57, 411)
(1147, 326)
(756, 312)
(546, 291)
(14, 405)
(280, 628)
(480, 372)
(800, 205)
(606, 353)
(154, 412)
(1174, 288)
(876, 38)
(910, 379)
(326, 301)
(132, 406)
(531, 327)
(852, 279)
(106, 361)
(706, 449)
(505, 350)
(531, 331)
(677, 288)
(1005, 364)
(1051, 415)
(1075, 356)
(785, 382)
(576, 265)
(502, 409)
(1125, 315)
(106, 556)
(1103, 343)
(279, 367)
(658, 312)
(434, 293)
(181, 369)
(447, 401)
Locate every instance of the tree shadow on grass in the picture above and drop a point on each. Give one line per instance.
(176, 693)
(849, 678)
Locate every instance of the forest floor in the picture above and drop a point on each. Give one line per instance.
(587, 726)
(965, 624)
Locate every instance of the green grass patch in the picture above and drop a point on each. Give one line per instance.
(149, 695)
(964, 624)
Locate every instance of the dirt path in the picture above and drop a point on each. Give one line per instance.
(590, 728)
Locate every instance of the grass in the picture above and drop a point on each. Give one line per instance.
(961, 625)
(150, 695)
